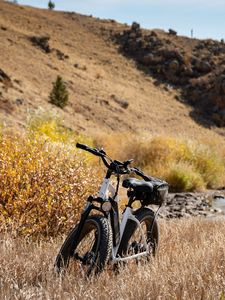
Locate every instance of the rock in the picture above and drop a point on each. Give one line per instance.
(4, 76)
(153, 33)
(5, 80)
(135, 26)
(42, 42)
(173, 66)
(203, 66)
(19, 101)
(132, 35)
(172, 54)
(219, 84)
(122, 102)
(147, 59)
(188, 205)
(60, 54)
(188, 71)
(172, 32)
(151, 59)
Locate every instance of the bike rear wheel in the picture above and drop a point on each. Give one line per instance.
(92, 251)
(134, 236)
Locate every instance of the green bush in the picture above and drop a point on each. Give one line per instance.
(51, 5)
(59, 95)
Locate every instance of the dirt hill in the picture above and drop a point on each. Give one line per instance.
(107, 91)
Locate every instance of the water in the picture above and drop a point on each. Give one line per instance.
(219, 201)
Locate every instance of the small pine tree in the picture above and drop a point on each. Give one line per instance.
(59, 95)
(51, 5)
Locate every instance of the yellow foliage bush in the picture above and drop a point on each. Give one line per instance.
(43, 185)
(51, 128)
(182, 177)
(185, 164)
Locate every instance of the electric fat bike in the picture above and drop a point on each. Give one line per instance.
(106, 237)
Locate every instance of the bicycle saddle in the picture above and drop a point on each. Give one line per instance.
(138, 185)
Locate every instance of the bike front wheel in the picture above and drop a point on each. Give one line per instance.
(144, 238)
(92, 251)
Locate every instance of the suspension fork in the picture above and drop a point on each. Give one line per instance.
(83, 218)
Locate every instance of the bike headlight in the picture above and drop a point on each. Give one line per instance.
(106, 206)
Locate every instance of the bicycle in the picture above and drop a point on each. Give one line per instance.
(102, 238)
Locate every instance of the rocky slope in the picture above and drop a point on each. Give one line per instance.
(196, 67)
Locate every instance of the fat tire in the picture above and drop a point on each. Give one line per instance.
(104, 245)
(143, 215)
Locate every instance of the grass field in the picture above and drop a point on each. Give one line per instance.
(190, 265)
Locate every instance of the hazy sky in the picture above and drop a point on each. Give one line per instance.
(206, 18)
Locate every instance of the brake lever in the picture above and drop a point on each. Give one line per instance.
(102, 151)
(128, 162)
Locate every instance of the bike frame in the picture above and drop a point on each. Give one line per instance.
(128, 214)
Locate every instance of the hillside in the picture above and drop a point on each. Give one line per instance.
(196, 67)
(107, 91)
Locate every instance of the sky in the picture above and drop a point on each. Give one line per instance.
(206, 18)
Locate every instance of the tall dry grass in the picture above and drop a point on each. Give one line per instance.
(190, 265)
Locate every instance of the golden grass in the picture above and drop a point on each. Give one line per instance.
(190, 265)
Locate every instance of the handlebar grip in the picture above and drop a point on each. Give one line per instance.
(89, 149)
(81, 146)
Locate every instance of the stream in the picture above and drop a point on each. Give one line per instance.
(219, 201)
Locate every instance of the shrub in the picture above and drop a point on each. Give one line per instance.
(43, 185)
(42, 42)
(186, 164)
(210, 165)
(51, 128)
(182, 177)
(59, 95)
(51, 5)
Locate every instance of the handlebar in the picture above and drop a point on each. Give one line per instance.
(101, 153)
(94, 151)
(115, 165)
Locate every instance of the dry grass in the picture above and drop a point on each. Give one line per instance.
(190, 265)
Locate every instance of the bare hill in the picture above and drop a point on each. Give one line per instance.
(107, 91)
